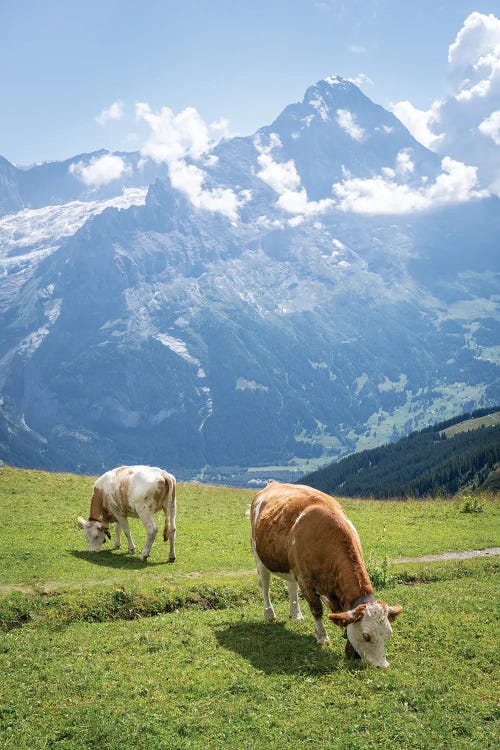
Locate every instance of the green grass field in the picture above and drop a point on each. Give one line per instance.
(489, 420)
(105, 651)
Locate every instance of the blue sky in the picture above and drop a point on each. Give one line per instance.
(64, 62)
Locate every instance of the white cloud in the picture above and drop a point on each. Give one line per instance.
(418, 121)
(347, 122)
(491, 127)
(284, 179)
(189, 179)
(456, 125)
(404, 164)
(221, 127)
(296, 202)
(383, 195)
(280, 176)
(174, 136)
(177, 139)
(99, 171)
(474, 56)
(113, 112)
(356, 49)
(360, 80)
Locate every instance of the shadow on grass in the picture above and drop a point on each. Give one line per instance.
(275, 649)
(109, 559)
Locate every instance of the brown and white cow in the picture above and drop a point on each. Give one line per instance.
(304, 536)
(138, 491)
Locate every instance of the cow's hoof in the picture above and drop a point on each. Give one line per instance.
(350, 651)
(323, 641)
(171, 559)
(269, 615)
(117, 546)
(143, 558)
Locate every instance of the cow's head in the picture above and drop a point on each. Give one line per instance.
(368, 627)
(95, 532)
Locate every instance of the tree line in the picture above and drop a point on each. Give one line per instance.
(424, 463)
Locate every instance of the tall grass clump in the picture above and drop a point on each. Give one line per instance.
(471, 504)
(379, 571)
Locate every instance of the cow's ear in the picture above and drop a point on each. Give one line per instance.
(343, 619)
(81, 522)
(393, 612)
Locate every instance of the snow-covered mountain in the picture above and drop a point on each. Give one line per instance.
(321, 286)
(87, 177)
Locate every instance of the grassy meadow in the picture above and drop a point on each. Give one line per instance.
(106, 651)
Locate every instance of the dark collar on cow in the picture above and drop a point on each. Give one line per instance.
(363, 599)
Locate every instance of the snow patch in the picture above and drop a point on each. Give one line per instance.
(249, 385)
(178, 347)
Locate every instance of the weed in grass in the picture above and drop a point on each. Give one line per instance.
(471, 504)
(378, 570)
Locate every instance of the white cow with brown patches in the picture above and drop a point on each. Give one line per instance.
(304, 536)
(138, 491)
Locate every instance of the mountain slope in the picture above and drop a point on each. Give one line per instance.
(443, 458)
(225, 349)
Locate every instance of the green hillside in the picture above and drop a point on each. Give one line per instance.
(445, 458)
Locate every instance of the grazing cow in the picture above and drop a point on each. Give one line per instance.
(139, 491)
(304, 537)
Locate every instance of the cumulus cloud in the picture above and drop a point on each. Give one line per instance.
(297, 202)
(404, 164)
(384, 194)
(347, 121)
(189, 179)
(113, 112)
(419, 122)
(173, 136)
(457, 125)
(221, 127)
(284, 179)
(491, 127)
(474, 56)
(99, 171)
(361, 79)
(178, 140)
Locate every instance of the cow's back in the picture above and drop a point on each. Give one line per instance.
(275, 513)
(126, 487)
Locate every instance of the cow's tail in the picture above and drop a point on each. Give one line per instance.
(170, 507)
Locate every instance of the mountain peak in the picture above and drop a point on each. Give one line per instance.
(329, 93)
(332, 81)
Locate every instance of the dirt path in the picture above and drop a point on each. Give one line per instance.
(490, 552)
(54, 586)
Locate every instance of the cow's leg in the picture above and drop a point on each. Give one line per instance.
(171, 539)
(148, 520)
(170, 530)
(316, 607)
(264, 583)
(118, 532)
(293, 597)
(122, 525)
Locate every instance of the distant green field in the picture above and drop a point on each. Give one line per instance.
(106, 651)
(489, 420)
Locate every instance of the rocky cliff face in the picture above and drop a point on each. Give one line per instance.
(165, 332)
